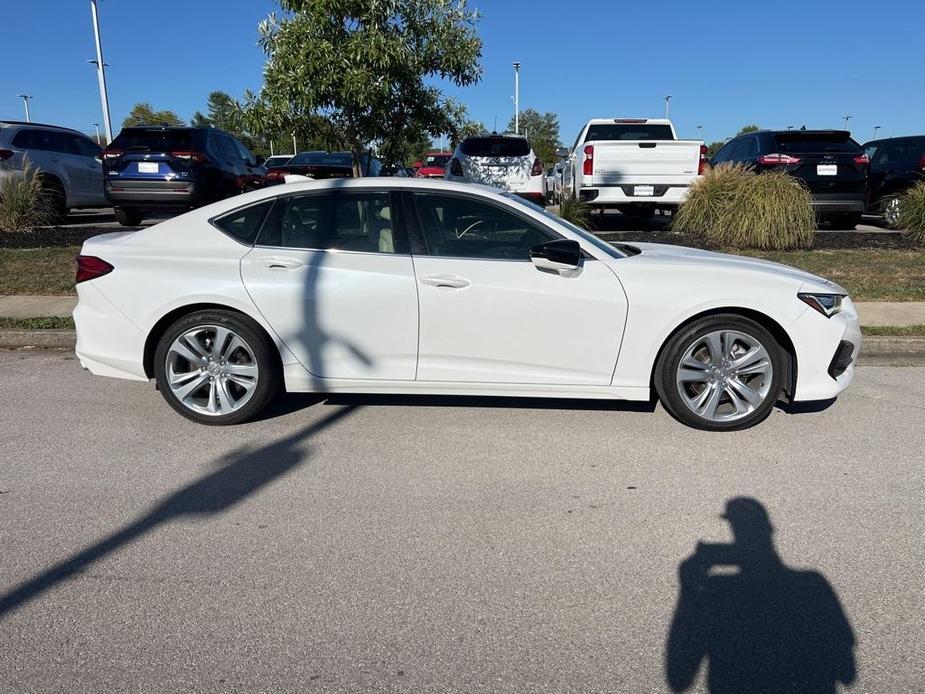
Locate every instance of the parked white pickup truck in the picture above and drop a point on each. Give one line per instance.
(635, 165)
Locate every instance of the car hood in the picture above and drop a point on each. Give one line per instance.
(655, 252)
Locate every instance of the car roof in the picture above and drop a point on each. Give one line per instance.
(629, 121)
(30, 124)
(822, 131)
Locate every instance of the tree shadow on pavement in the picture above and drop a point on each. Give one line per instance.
(760, 625)
(237, 476)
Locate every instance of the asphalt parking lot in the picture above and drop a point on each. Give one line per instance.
(437, 545)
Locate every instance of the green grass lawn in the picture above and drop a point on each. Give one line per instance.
(868, 275)
(48, 271)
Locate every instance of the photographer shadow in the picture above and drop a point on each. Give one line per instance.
(759, 625)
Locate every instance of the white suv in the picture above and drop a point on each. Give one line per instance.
(66, 161)
(502, 161)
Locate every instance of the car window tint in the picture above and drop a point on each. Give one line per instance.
(724, 153)
(154, 140)
(26, 139)
(495, 147)
(461, 227)
(85, 147)
(343, 221)
(242, 151)
(797, 142)
(243, 225)
(742, 149)
(892, 153)
(629, 131)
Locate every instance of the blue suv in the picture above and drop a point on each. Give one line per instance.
(161, 168)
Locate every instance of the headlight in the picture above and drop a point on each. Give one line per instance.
(827, 304)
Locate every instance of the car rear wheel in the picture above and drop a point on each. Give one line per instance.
(891, 209)
(54, 200)
(215, 367)
(720, 373)
(128, 217)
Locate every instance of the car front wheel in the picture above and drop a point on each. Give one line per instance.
(215, 367)
(720, 373)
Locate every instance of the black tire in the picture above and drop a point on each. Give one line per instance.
(54, 199)
(669, 360)
(845, 222)
(128, 217)
(269, 379)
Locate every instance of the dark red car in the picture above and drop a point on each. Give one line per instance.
(433, 165)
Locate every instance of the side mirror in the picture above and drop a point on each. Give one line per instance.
(418, 164)
(563, 254)
(562, 152)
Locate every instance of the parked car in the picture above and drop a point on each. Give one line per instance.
(636, 165)
(433, 165)
(502, 161)
(321, 165)
(277, 160)
(896, 164)
(67, 163)
(392, 285)
(554, 183)
(155, 168)
(829, 162)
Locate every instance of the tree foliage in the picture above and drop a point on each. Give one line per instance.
(361, 65)
(144, 114)
(715, 147)
(542, 129)
(745, 129)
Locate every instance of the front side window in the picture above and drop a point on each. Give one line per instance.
(461, 227)
(345, 221)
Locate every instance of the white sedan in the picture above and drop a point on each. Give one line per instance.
(421, 286)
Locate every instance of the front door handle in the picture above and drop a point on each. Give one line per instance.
(448, 281)
(280, 264)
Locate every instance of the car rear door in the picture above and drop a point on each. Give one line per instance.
(332, 275)
(489, 315)
(88, 170)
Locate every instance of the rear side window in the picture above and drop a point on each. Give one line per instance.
(495, 147)
(628, 131)
(745, 149)
(243, 225)
(816, 143)
(360, 222)
(47, 140)
(154, 140)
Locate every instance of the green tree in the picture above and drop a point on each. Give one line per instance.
(542, 129)
(361, 65)
(745, 129)
(144, 114)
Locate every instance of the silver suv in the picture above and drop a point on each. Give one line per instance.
(67, 162)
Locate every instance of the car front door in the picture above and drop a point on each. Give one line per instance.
(332, 275)
(489, 315)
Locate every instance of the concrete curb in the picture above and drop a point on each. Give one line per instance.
(901, 348)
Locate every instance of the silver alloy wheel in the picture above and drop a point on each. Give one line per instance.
(891, 212)
(212, 370)
(724, 375)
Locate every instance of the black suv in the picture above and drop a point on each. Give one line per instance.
(896, 164)
(829, 162)
(151, 168)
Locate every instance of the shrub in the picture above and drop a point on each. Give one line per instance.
(734, 206)
(912, 212)
(23, 203)
(573, 210)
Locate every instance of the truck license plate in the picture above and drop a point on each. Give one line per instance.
(827, 169)
(643, 191)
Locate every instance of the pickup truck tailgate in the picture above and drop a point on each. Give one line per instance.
(661, 161)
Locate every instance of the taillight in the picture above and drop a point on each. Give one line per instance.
(190, 156)
(274, 176)
(90, 267)
(922, 162)
(455, 167)
(862, 160)
(703, 160)
(777, 159)
(111, 153)
(5, 154)
(537, 167)
(587, 168)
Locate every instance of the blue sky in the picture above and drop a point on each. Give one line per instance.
(725, 64)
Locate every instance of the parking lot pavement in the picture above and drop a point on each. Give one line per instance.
(386, 544)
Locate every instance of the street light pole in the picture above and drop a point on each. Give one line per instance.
(876, 128)
(847, 118)
(25, 102)
(699, 132)
(667, 99)
(516, 97)
(295, 147)
(101, 70)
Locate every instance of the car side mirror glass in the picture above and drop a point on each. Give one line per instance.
(561, 152)
(563, 254)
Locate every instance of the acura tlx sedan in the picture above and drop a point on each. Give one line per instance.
(424, 286)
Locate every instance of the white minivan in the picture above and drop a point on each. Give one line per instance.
(501, 161)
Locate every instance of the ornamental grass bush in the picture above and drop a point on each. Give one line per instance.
(731, 205)
(23, 202)
(912, 213)
(574, 210)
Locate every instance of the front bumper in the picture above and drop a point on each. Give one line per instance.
(823, 369)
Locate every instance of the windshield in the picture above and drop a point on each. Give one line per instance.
(813, 143)
(344, 159)
(495, 147)
(586, 235)
(628, 131)
(437, 160)
(158, 140)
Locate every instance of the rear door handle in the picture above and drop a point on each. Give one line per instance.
(280, 264)
(448, 281)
